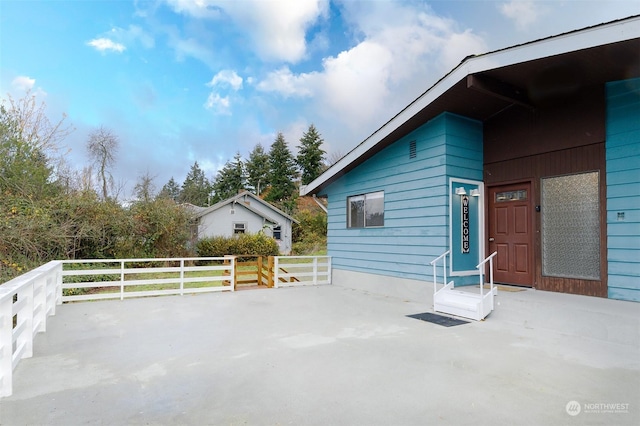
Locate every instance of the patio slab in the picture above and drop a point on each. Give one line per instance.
(330, 355)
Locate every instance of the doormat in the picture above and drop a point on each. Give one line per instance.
(438, 319)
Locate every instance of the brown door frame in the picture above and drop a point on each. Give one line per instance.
(534, 242)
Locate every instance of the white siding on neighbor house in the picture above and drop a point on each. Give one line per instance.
(220, 222)
(416, 199)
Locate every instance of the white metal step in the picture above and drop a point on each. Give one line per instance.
(461, 303)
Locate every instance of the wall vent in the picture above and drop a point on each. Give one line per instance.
(412, 149)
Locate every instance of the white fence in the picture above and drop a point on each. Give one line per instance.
(27, 301)
(122, 278)
(25, 304)
(301, 270)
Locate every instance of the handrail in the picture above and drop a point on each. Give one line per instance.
(439, 257)
(479, 267)
(444, 270)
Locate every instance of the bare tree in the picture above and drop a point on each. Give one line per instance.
(32, 124)
(103, 146)
(145, 188)
(333, 158)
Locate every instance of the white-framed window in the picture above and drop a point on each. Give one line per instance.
(239, 227)
(277, 232)
(365, 210)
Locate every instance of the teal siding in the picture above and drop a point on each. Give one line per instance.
(416, 199)
(623, 189)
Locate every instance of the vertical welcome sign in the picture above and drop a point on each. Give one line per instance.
(464, 212)
(466, 226)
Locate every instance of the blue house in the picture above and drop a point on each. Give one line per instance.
(532, 152)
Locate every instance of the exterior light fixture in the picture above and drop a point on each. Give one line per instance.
(475, 193)
(233, 210)
(461, 191)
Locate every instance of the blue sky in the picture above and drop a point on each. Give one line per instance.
(185, 80)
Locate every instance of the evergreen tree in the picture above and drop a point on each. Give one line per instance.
(310, 156)
(196, 188)
(282, 172)
(257, 169)
(170, 190)
(230, 180)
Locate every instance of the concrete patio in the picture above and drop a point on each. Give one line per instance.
(330, 355)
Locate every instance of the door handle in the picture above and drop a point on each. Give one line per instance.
(491, 239)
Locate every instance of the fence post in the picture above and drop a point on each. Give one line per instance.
(122, 280)
(270, 272)
(6, 345)
(181, 277)
(58, 288)
(315, 270)
(259, 270)
(276, 278)
(25, 315)
(40, 300)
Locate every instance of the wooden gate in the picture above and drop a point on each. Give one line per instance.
(253, 271)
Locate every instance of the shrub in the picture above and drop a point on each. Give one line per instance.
(247, 244)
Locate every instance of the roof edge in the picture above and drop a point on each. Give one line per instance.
(592, 36)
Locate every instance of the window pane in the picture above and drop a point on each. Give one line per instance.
(356, 212)
(375, 209)
(277, 232)
(571, 226)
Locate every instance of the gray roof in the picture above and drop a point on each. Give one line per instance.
(239, 199)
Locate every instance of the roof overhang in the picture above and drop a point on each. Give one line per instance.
(527, 75)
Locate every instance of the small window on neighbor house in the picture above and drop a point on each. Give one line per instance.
(277, 232)
(367, 210)
(239, 228)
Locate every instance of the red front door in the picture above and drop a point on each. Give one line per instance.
(510, 233)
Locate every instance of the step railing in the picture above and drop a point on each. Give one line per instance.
(481, 267)
(434, 263)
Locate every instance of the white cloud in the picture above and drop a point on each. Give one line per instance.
(287, 84)
(218, 104)
(135, 34)
(104, 44)
(277, 29)
(355, 83)
(403, 49)
(23, 83)
(195, 8)
(190, 47)
(226, 78)
(524, 13)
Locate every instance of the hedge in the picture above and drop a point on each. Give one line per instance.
(241, 244)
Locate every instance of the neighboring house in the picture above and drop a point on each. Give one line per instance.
(245, 213)
(532, 151)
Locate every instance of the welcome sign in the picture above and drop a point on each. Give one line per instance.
(466, 227)
(464, 207)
